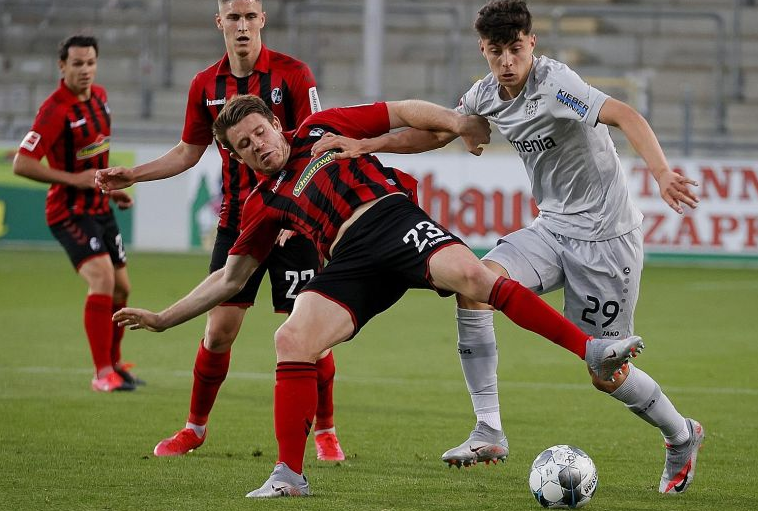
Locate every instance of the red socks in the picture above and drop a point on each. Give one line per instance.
(118, 334)
(325, 409)
(210, 372)
(529, 311)
(99, 328)
(295, 397)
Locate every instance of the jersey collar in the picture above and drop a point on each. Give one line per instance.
(68, 95)
(262, 65)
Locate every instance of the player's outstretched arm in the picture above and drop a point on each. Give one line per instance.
(181, 157)
(215, 289)
(675, 188)
(408, 141)
(446, 123)
(431, 127)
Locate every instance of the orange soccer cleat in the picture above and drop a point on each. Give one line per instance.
(183, 442)
(328, 447)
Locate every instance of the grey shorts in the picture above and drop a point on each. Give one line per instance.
(601, 279)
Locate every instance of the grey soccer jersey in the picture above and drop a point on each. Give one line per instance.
(572, 163)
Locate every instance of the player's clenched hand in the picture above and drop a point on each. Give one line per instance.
(474, 131)
(137, 319)
(675, 189)
(122, 199)
(114, 178)
(345, 147)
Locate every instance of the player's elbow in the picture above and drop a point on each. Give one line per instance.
(20, 166)
(189, 154)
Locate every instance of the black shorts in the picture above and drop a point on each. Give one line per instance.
(87, 236)
(382, 255)
(289, 268)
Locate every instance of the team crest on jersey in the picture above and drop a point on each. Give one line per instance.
(316, 132)
(531, 110)
(276, 96)
(99, 146)
(30, 141)
(310, 170)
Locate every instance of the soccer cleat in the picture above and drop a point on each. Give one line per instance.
(183, 442)
(605, 357)
(679, 470)
(282, 482)
(485, 444)
(123, 370)
(328, 447)
(111, 382)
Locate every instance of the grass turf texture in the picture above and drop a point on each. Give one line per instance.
(400, 402)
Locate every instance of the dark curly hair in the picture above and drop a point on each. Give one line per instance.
(501, 21)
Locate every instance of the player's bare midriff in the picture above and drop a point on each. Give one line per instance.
(355, 216)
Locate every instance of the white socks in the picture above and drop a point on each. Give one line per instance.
(477, 348)
(643, 396)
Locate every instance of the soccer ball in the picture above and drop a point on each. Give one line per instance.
(563, 476)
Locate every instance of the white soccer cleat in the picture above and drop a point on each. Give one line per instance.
(679, 470)
(605, 357)
(485, 444)
(282, 482)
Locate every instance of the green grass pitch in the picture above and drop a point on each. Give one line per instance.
(400, 402)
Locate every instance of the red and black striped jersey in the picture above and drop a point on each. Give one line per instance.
(284, 83)
(316, 195)
(75, 136)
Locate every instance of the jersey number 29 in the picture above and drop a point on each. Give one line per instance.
(610, 310)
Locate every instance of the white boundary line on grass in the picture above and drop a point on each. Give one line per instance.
(244, 375)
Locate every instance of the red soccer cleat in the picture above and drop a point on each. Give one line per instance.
(183, 442)
(328, 447)
(110, 382)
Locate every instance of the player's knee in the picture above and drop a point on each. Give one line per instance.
(474, 278)
(219, 337)
(218, 344)
(292, 345)
(121, 293)
(101, 282)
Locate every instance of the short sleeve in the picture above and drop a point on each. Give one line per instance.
(567, 96)
(304, 94)
(258, 231)
(46, 130)
(198, 125)
(467, 103)
(361, 121)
